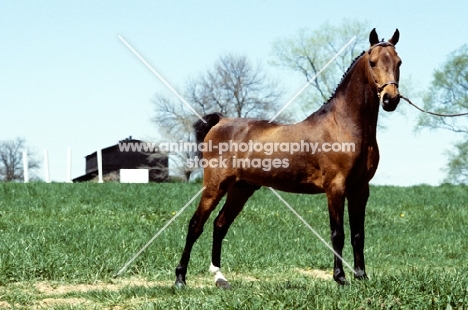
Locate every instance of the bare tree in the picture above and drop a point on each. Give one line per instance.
(11, 164)
(234, 87)
(174, 122)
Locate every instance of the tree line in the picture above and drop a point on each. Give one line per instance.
(237, 87)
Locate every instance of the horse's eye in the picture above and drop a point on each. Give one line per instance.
(372, 63)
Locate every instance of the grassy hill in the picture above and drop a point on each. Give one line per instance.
(79, 235)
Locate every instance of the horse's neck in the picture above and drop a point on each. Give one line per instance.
(355, 104)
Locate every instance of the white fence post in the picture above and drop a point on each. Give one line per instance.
(25, 167)
(99, 162)
(46, 167)
(69, 163)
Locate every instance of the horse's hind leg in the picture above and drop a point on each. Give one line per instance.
(237, 196)
(209, 200)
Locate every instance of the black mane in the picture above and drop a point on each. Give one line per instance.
(344, 74)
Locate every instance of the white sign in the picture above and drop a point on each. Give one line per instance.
(134, 175)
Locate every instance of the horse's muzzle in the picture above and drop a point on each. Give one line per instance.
(390, 103)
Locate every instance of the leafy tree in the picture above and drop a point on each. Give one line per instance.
(457, 170)
(11, 160)
(234, 87)
(310, 50)
(449, 94)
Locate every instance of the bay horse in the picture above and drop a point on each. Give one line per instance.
(349, 118)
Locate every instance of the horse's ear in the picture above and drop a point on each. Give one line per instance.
(395, 38)
(373, 37)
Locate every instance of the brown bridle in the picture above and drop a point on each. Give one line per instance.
(380, 88)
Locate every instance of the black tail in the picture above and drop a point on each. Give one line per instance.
(202, 129)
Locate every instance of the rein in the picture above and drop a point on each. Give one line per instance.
(381, 88)
(432, 113)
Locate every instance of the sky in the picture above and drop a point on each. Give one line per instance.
(67, 80)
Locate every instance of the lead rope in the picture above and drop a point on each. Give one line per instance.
(432, 113)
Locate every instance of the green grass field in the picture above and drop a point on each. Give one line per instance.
(61, 244)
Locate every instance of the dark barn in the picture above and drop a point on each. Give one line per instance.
(113, 159)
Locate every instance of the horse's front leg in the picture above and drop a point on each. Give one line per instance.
(336, 200)
(356, 209)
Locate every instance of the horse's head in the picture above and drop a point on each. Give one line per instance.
(385, 66)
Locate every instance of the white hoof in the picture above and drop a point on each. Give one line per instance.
(220, 280)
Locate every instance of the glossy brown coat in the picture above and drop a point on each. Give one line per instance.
(349, 117)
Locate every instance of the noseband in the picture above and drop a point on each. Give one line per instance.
(381, 87)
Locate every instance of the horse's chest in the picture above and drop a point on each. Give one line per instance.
(372, 160)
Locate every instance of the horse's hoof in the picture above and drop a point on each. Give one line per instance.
(342, 281)
(223, 284)
(360, 275)
(179, 284)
